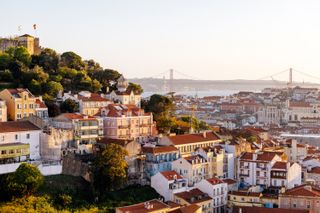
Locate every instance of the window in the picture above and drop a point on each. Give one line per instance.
(16, 137)
(19, 106)
(31, 106)
(25, 106)
(3, 152)
(28, 136)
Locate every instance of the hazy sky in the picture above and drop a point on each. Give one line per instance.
(213, 39)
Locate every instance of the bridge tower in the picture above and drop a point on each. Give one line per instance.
(171, 81)
(290, 77)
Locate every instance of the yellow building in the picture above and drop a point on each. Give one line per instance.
(20, 103)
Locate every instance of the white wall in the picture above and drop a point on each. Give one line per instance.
(34, 141)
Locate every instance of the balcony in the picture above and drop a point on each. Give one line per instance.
(13, 150)
(244, 174)
(124, 126)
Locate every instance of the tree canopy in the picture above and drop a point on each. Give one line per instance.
(110, 168)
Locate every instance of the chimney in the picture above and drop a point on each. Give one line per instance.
(308, 187)
(204, 134)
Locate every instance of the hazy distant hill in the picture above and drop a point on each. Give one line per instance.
(156, 84)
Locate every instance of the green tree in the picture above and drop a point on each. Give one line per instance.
(35, 87)
(72, 60)
(159, 105)
(107, 78)
(52, 88)
(5, 60)
(164, 124)
(25, 180)
(95, 86)
(6, 75)
(49, 60)
(69, 105)
(135, 87)
(110, 168)
(20, 54)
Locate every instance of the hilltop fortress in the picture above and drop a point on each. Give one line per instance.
(31, 43)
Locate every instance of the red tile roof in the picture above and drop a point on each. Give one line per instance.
(193, 196)
(77, 116)
(303, 190)
(229, 181)
(266, 156)
(159, 149)
(171, 175)
(154, 205)
(17, 126)
(214, 181)
(193, 138)
(94, 98)
(280, 165)
(315, 170)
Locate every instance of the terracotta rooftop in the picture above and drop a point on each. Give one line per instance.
(171, 175)
(195, 159)
(299, 104)
(193, 196)
(94, 98)
(229, 181)
(214, 181)
(244, 209)
(193, 208)
(266, 156)
(247, 156)
(315, 170)
(146, 207)
(75, 116)
(159, 149)
(17, 126)
(280, 165)
(193, 138)
(303, 190)
(16, 92)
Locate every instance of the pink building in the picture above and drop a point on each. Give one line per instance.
(126, 121)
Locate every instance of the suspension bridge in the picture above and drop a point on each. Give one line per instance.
(292, 77)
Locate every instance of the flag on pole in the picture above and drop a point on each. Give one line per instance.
(34, 26)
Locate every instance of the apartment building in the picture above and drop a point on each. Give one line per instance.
(188, 143)
(255, 168)
(217, 190)
(3, 111)
(124, 95)
(295, 152)
(285, 174)
(194, 168)
(221, 163)
(126, 122)
(86, 129)
(197, 197)
(21, 103)
(90, 103)
(159, 159)
(167, 183)
(19, 142)
(269, 114)
(304, 197)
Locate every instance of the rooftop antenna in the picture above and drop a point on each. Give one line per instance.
(19, 29)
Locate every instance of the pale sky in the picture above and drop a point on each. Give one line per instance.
(208, 39)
